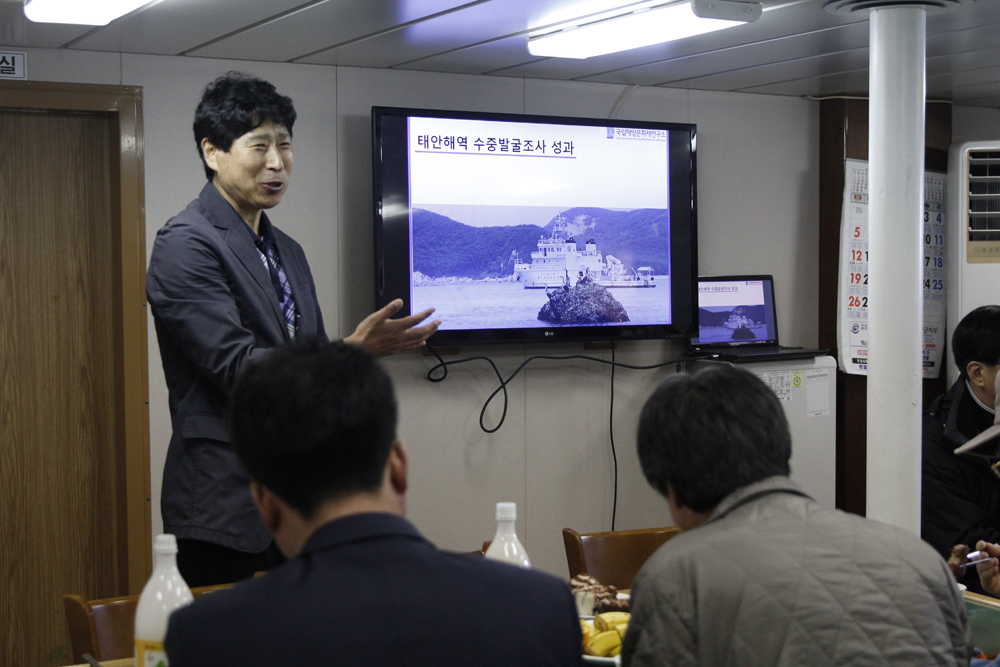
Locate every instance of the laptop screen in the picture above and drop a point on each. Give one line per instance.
(736, 310)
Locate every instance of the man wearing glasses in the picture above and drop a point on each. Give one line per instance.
(961, 494)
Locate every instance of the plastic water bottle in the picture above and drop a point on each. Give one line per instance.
(165, 591)
(505, 546)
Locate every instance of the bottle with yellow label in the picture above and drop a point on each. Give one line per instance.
(164, 592)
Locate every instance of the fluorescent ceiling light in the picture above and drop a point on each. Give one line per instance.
(639, 25)
(79, 12)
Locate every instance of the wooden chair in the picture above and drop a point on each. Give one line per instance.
(613, 558)
(106, 628)
(482, 550)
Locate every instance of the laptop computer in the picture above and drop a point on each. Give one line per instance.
(737, 321)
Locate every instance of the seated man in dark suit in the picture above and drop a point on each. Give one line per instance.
(315, 426)
(961, 495)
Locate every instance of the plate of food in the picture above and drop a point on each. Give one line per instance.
(604, 619)
(592, 597)
(603, 636)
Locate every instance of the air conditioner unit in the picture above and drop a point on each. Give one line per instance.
(973, 244)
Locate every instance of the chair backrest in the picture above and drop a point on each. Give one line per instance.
(106, 628)
(613, 558)
(481, 551)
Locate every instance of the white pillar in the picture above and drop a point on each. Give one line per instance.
(897, 85)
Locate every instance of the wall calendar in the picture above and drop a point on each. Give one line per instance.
(852, 293)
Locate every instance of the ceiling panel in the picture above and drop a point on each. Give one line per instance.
(824, 70)
(968, 40)
(778, 23)
(174, 26)
(796, 48)
(992, 101)
(319, 27)
(472, 25)
(842, 83)
(789, 70)
(942, 85)
(16, 30)
(972, 94)
(499, 54)
(841, 38)
(948, 78)
(962, 62)
(971, 15)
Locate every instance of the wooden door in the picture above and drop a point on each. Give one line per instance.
(64, 381)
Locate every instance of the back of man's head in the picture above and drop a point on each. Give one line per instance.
(977, 338)
(710, 433)
(315, 421)
(234, 104)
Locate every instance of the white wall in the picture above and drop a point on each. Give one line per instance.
(974, 124)
(758, 206)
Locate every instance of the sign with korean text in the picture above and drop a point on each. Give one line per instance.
(13, 65)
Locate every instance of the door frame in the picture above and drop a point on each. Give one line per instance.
(123, 103)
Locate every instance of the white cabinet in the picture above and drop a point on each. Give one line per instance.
(807, 389)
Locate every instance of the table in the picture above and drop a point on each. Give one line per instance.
(983, 613)
(122, 662)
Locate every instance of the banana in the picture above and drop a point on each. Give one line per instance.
(608, 620)
(621, 628)
(615, 651)
(587, 629)
(602, 644)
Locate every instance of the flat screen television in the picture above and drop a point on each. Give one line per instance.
(522, 228)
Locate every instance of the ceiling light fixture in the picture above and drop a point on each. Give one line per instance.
(638, 25)
(79, 12)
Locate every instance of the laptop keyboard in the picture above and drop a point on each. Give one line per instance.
(751, 350)
(756, 350)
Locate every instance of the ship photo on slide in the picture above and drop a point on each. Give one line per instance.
(723, 324)
(497, 266)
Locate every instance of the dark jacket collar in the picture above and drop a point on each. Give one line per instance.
(241, 240)
(964, 414)
(359, 527)
(220, 212)
(224, 216)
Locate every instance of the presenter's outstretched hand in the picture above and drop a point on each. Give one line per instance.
(384, 337)
(989, 571)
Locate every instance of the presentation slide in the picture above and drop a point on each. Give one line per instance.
(504, 216)
(733, 312)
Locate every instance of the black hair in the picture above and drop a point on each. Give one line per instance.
(710, 433)
(314, 421)
(977, 338)
(234, 104)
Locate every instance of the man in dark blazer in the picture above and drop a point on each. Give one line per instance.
(225, 287)
(315, 425)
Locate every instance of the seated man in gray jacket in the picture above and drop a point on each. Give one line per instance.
(762, 574)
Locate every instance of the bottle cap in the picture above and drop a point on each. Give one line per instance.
(165, 544)
(506, 511)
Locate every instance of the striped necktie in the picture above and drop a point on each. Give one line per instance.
(279, 280)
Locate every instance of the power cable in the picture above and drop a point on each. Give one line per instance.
(443, 366)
